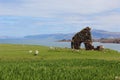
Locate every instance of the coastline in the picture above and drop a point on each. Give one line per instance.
(116, 41)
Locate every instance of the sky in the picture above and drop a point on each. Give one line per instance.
(32, 17)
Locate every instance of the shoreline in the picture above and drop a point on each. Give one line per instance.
(115, 41)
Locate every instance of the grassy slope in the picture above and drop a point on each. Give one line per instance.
(16, 63)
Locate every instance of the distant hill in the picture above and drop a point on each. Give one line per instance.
(96, 34)
(4, 37)
(104, 34)
(10, 37)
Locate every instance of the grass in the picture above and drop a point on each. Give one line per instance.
(16, 63)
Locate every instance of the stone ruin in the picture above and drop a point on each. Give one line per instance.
(84, 36)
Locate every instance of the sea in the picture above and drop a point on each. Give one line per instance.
(55, 43)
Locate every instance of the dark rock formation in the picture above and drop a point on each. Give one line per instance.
(82, 36)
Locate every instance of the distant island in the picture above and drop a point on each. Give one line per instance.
(96, 34)
(64, 40)
(102, 40)
(116, 40)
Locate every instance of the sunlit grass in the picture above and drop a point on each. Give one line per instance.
(16, 63)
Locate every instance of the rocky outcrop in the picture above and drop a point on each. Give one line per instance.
(84, 36)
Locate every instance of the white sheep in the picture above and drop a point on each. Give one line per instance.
(117, 78)
(77, 50)
(51, 48)
(36, 52)
(30, 51)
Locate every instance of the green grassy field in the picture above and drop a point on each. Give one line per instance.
(16, 63)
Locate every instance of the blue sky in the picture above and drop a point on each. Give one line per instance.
(31, 17)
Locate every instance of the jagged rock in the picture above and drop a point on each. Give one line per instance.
(82, 36)
(100, 48)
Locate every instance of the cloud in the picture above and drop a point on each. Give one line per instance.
(58, 16)
(108, 22)
(111, 19)
(52, 7)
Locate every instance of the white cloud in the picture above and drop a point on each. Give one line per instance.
(68, 15)
(112, 19)
(51, 7)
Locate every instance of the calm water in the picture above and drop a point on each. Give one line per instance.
(51, 42)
